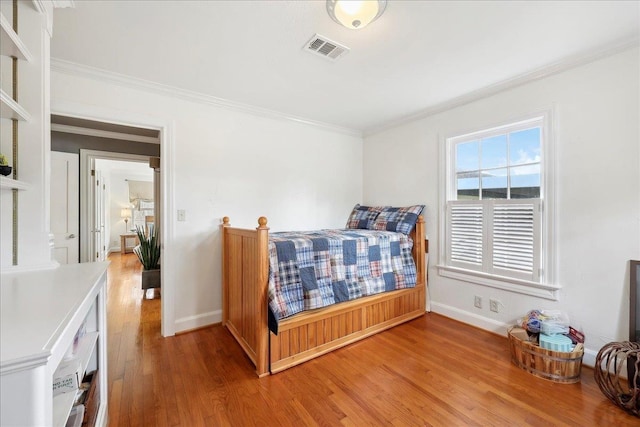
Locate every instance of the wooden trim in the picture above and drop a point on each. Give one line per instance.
(262, 324)
(245, 275)
(633, 295)
(418, 251)
(225, 269)
(302, 338)
(339, 309)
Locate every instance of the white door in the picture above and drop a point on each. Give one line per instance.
(65, 196)
(99, 207)
(104, 235)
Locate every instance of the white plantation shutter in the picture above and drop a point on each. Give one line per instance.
(495, 236)
(466, 232)
(515, 242)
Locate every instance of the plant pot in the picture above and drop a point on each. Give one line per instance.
(5, 170)
(150, 279)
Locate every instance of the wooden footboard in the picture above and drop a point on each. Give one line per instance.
(245, 270)
(245, 273)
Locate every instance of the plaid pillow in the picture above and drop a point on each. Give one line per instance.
(401, 220)
(363, 217)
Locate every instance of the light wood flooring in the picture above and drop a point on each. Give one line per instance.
(432, 371)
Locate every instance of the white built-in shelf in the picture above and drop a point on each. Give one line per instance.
(85, 348)
(40, 313)
(12, 184)
(10, 109)
(63, 403)
(10, 42)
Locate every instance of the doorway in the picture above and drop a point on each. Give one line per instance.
(96, 212)
(72, 119)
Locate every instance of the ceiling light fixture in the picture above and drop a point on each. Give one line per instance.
(355, 14)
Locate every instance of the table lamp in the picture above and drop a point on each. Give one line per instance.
(125, 214)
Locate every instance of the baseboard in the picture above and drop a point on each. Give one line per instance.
(473, 319)
(491, 325)
(198, 321)
(589, 359)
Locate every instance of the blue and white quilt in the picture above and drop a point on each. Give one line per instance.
(313, 269)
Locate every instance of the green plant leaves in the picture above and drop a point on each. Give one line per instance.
(148, 251)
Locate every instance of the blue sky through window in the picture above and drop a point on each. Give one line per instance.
(494, 152)
(467, 156)
(525, 146)
(515, 156)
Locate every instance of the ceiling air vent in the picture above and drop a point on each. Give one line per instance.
(322, 46)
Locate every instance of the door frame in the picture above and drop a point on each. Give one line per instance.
(167, 148)
(87, 194)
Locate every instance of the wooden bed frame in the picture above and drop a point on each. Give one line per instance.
(245, 273)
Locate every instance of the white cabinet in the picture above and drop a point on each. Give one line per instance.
(40, 314)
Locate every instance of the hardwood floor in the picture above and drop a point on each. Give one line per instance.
(432, 371)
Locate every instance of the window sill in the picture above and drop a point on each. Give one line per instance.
(534, 289)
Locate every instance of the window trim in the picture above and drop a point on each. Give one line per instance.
(547, 288)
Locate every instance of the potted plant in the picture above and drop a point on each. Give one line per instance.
(5, 169)
(148, 252)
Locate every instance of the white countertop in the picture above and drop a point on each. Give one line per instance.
(35, 308)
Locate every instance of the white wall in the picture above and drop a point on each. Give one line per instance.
(230, 163)
(598, 192)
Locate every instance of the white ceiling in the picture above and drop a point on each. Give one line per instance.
(417, 56)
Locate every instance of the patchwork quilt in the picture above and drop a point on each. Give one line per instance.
(313, 269)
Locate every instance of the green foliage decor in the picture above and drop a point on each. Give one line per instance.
(3, 160)
(148, 251)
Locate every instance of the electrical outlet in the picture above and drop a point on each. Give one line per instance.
(477, 301)
(494, 305)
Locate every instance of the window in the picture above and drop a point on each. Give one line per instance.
(496, 229)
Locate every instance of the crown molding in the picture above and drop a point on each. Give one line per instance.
(80, 70)
(55, 127)
(540, 73)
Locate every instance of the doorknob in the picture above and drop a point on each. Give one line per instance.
(71, 236)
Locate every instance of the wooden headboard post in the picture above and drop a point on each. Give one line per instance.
(418, 236)
(262, 324)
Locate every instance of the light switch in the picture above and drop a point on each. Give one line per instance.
(181, 215)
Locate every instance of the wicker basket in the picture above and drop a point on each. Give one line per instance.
(559, 367)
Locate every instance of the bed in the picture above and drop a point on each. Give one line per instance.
(248, 296)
